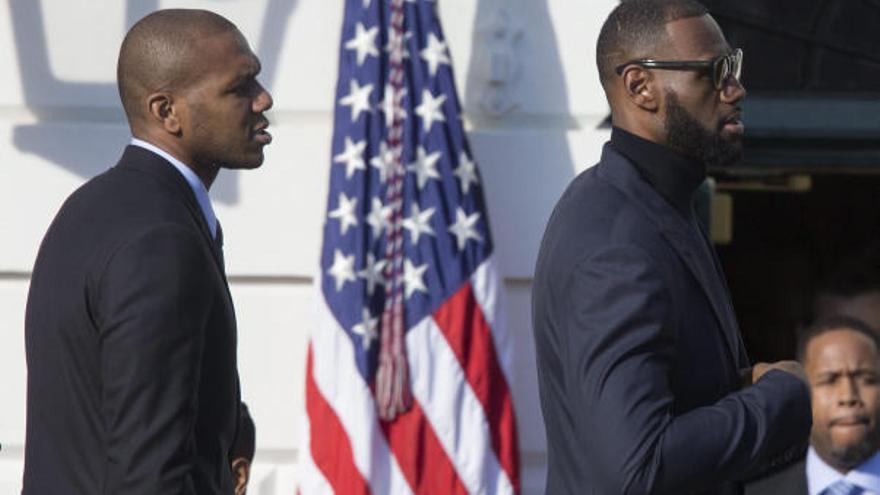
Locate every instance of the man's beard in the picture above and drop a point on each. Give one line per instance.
(847, 457)
(687, 136)
(852, 455)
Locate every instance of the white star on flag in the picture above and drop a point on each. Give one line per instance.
(372, 272)
(366, 328)
(358, 98)
(429, 109)
(352, 156)
(379, 217)
(418, 222)
(463, 228)
(425, 166)
(364, 42)
(413, 278)
(466, 172)
(387, 106)
(345, 212)
(384, 161)
(434, 54)
(342, 269)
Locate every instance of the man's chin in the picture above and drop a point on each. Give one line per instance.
(853, 452)
(249, 163)
(725, 152)
(731, 139)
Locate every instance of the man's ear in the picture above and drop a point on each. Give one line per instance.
(162, 109)
(640, 87)
(241, 473)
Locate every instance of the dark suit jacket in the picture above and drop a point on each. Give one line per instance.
(131, 342)
(789, 481)
(639, 353)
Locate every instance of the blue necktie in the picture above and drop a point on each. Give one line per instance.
(843, 487)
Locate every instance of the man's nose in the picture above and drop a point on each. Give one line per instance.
(849, 393)
(263, 101)
(732, 90)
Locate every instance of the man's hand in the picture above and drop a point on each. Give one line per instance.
(792, 367)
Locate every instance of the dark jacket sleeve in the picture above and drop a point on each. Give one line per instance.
(620, 327)
(153, 305)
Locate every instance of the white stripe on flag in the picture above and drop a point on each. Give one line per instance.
(453, 410)
(338, 379)
(489, 293)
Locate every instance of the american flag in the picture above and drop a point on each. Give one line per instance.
(407, 383)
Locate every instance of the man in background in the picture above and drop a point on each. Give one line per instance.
(243, 450)
(644, 380)
(841, 356)
(130, 330)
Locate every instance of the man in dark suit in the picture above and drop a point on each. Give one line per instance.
(130, 330)
(645, 384)
(841, 356)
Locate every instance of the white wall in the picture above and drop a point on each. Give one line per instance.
(60, 123)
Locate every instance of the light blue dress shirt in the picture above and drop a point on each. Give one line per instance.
(196, 184)
(820, 475)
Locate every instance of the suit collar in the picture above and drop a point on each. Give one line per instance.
(145, 161)
(685, 238)
(195, 183)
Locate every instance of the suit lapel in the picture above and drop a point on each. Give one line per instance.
(140, 159)
(742, 356)
(684, 238)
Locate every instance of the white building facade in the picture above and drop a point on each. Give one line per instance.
(533, 105)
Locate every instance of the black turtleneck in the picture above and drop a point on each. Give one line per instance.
(675, 176)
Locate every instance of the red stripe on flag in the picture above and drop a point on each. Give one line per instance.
(331, 450)
(420, 455)
(465, 327)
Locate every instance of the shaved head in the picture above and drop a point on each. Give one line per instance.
(635, 27)
(159, 54)
(188, 83)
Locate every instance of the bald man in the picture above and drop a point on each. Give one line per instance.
(130, 330)
(645, 384)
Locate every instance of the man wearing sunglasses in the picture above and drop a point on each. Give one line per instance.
(645, 383)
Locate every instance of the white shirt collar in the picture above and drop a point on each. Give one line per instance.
(196, 184)
(820, 475)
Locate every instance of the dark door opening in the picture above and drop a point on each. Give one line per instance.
(784, 244)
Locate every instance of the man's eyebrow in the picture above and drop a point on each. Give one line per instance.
(855, 372)
(828, 373)
(863, 371)
(248, 73)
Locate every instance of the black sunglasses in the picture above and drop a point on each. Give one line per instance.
(721, 67)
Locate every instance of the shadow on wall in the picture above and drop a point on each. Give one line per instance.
(56, 138)
(517, 100)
